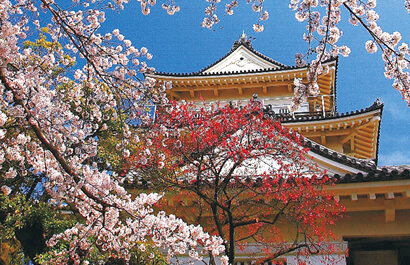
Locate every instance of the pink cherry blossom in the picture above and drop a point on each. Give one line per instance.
(6, 190)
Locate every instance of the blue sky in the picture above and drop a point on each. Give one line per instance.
(180, 44)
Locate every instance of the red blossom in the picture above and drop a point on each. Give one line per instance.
(243, 177)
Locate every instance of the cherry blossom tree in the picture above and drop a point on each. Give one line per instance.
(65, 86)
(242, 176)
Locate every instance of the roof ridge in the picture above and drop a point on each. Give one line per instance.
(202, 73)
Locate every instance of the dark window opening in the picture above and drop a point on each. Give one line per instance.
(378, 251)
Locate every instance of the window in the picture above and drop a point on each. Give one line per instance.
(379, 251)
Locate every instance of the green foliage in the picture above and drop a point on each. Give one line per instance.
(151, 256)
(27, 225)
(41, 47)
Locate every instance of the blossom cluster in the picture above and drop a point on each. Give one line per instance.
(324, 33)
(211, 18)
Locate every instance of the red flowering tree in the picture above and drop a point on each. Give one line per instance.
(243, 176)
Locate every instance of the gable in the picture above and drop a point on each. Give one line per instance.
(241, 59)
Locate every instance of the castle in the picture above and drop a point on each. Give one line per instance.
(376, 226)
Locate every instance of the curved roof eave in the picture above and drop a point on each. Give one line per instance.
(378, 130)
(364, 165)
(387, 173)
(377, 106)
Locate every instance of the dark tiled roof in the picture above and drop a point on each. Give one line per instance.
(303, 118)
(366, 165)
(387, 173)
(379, 174)
(200, 73)
(335, 87)
(378, 130)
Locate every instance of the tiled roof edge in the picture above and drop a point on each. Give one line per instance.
(387, 173)
(366, 165)
(378, 130)
(376, 105)
(335, 88)
(380, 174)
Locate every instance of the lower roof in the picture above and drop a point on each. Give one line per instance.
(384, 173)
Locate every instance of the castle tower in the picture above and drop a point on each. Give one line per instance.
(244, 72)
(377, 199)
